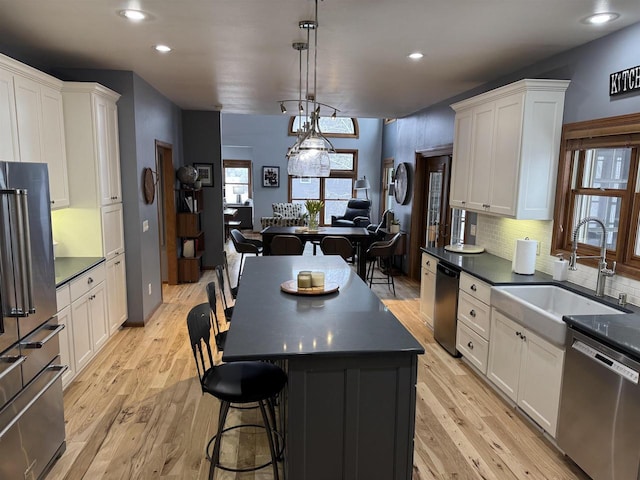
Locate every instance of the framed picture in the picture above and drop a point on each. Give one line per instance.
(205, 173)
(270, 176)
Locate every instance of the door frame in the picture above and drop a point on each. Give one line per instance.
(419, 208)
(168, 209)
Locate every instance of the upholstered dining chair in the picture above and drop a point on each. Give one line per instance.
(337, 245)
(286, 245)
(244, 245)
(237, 383)
(384, 249)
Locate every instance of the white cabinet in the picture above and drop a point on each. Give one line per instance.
(474, 314)
(117, 292)
(88, 315)
(67, 358)
(527, 368)
(9, 151)
(506, 146)
(91, 123)
(40, 127)
(112, 233)
(428, 288)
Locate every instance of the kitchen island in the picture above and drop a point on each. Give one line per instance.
(352, 365)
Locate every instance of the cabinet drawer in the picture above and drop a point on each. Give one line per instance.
(475, 314)
(476, 288)
(63, 297)
(87, 281)
(473, 347)
(429, 263)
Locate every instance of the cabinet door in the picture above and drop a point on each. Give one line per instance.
(115, 189)
(66, 345)
(480, 171)
(461, 162)
(81, 318)
(112, 231)
(101, 114)
(9, 151)
(28, 113)
(507, 153)
(505, 348)
(427, 296)
(54, 152)
(116, 292)
(98, 307)
(540, 379)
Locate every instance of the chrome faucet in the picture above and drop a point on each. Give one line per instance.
(603, 270)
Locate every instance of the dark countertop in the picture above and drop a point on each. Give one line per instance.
(270, 324)
(619, 331)
(68, 268)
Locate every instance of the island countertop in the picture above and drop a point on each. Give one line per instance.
(269, 323)
(68, 268)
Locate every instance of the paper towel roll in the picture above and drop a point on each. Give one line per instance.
(524, 256)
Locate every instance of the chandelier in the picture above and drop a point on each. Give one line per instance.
(309, 155)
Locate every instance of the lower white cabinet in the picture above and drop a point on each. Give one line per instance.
(527, 368)
(117, 292)
(428, 288)
(66, 334)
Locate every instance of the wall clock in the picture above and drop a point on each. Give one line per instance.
(402, 183)
(148, 185)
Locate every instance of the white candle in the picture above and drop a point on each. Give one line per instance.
(317, 279)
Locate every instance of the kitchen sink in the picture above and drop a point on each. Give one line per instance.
(540, 308)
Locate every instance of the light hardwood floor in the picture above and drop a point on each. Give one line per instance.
(137, 412)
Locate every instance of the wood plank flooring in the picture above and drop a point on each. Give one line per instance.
(137, 412)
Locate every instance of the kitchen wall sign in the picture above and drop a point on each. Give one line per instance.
(624, 81)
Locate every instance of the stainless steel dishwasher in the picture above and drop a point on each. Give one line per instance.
(445, 314)
(599, 420)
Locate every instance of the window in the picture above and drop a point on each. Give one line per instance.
(335, 190)
(598, 177)
(237, 181)
(330, 127)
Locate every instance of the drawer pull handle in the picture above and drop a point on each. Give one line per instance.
(470, 345)
(524, 338)
(40, 344)
(472, 313)
(473, 287)
(89, 280)
(428, 263)
(519, 334)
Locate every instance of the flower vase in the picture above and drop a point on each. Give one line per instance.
(313, 222)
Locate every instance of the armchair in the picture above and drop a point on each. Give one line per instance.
(356, 214)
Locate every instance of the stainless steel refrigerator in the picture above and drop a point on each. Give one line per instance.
(31, 409)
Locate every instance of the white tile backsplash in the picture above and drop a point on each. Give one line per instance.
(498, 236)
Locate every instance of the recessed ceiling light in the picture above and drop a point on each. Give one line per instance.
(416, 56)
(133, 15)
(600, 18)
(162, 48)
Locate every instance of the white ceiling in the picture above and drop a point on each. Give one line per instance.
(236, 55)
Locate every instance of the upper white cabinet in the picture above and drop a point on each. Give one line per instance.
(505, 150)
(32, 123)
(91, 122)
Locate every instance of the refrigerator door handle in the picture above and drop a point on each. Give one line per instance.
(24, 260)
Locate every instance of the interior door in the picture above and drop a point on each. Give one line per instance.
(438, 213)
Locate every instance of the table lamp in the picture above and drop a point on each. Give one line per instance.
(238, 190)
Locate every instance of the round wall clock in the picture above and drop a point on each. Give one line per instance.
(402, 183)
(148, 185)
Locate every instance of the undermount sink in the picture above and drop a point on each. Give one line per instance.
(541, 308)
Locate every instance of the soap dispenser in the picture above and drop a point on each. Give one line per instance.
(560, 268)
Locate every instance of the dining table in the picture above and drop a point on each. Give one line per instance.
(349, 404)
(358, 236)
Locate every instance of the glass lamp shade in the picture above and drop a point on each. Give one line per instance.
(362, 184)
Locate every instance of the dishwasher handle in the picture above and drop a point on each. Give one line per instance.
(449, 272)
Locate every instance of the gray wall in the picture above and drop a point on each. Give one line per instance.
(201, 136)
(588, 67)
(144, 116)
(265, 138)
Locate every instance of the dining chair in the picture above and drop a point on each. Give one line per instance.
(233, 290)
(228, 309)
(286, 245)
(220, 336)
(244, 245)
(337, 245)
(238, 383)
(384, 249)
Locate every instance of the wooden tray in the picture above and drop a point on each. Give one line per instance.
(291, 286)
